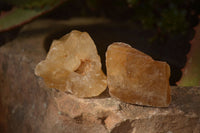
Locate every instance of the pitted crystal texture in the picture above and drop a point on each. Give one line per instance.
(73, 65)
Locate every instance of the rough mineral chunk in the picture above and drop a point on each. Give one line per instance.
(135, 77)
(73, 65)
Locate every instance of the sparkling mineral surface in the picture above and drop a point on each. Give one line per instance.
(73, 65)
(134, 77)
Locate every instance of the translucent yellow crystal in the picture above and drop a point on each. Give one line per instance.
(73, 65)
(134, 77)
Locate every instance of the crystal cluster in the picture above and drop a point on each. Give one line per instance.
(73, 65)
(134, 77)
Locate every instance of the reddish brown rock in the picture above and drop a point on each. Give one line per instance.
(135, 77)
(73, 65)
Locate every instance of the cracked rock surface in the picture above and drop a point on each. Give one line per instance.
(27, 105)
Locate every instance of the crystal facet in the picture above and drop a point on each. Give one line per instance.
(73, 65)
(134, 77)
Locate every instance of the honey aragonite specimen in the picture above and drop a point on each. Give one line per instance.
(73, 65)
(134, 77)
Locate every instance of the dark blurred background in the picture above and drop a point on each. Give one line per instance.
(160, 28)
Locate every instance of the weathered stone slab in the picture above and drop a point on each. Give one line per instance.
(27, 106)
(135, 77)
(181, 116)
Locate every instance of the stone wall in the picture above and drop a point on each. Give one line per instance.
(26, 105)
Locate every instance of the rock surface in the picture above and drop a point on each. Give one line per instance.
(73, 65)
(135, 77)
(26, 105)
